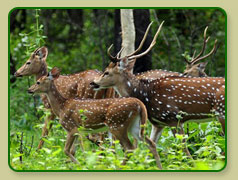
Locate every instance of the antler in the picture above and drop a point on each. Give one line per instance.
(117, 58)
(114, 58)
(142, 41)
(150, 47)
(198, 57)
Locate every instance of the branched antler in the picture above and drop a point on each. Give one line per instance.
(198, 57)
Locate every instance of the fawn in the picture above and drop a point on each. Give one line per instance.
(118, 115)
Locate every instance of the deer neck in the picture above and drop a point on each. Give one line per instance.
(134, 87)
(43, 71)
(127, 84)
(56, 100)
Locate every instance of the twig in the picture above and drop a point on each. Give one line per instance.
(21, 150)
(177, 40)
(32, 140)
(162, 33)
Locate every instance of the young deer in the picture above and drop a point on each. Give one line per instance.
(71, 86)
(168, 96)
(119, 115)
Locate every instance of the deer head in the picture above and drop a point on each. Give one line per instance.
(195, 69)
(33, 65)
(132, 56)
(43, 84)
(113, 75)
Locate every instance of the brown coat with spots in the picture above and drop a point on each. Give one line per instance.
(119, 115)
(70, 86)
(168, 96)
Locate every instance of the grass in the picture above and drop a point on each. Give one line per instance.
(205, 142)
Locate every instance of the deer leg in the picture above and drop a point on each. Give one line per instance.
(99, 94)
(178, 129)
(110, 138)
(46, 128)
(137, 133)
(181, 131)
(128, 148)
(156, 133)
(74, 146)
(69, 142)
(126, 144)
(152, 147)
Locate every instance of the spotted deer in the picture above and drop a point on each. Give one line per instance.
(73, 85)
(168, 96)
(193, 68)
(119, 115)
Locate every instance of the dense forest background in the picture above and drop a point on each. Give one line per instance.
(77, 40)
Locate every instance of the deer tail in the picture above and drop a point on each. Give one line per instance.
(144, 117)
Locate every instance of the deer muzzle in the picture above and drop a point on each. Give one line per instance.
(16, 74)
(30, 91)
(94, 85)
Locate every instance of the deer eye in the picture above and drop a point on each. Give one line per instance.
(28, 63)
(38, 82)
(106, 73)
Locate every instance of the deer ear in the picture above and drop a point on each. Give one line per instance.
(202, 65)
(131, 65)
(42, 53)
(54, 73)
(123, 64)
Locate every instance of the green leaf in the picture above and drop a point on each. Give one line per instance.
(46, 140)
(209, 138)
(15, 159)
(218, 150)
(18, 155)
(42, 163)
(56, 152)
(48, 151)
(22, 34)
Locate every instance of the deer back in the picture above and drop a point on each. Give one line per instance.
(197, 97)
(155, 74)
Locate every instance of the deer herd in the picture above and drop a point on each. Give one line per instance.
(120, 102)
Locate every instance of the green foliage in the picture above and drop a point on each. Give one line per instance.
(182, 34)
(206, 148)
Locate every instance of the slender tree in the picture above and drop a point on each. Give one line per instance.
(141, 19)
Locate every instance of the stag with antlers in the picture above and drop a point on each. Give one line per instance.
(166, 97)
(119, 115)
(193, 68)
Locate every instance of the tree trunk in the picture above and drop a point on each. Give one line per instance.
(128, 31)
(141, 21)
